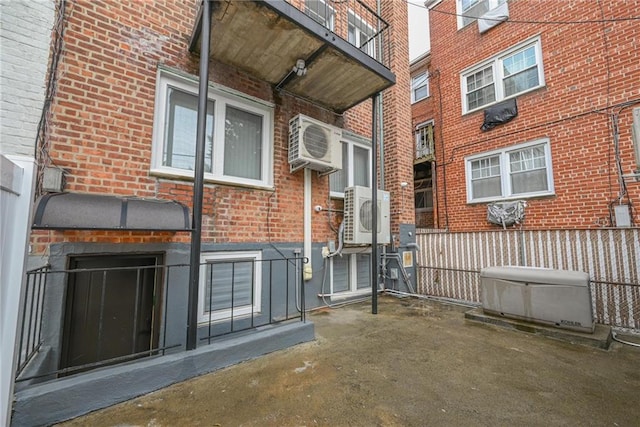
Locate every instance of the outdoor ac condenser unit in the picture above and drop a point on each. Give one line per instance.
(314, 145)
(559, 298)
(358, 224)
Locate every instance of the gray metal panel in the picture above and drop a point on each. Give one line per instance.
(102, 212)
(537, 275)
(555, 297)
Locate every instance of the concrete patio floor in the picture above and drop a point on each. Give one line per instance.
(415, 363)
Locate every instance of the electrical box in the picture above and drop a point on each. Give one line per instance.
(52, 180)
(622, 215)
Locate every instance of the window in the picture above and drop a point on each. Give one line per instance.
(350, 273)
(356, 165)
(229, 282)
(514, 72)
(320, 12)
(470, 10)
(419, 87)
(238, 140)
(423, 187)
(516, 172)
(424, 140)
(361, 34)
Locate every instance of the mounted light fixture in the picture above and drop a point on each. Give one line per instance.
(300, 68)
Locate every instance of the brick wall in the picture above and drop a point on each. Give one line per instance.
(398, 150)
(104, 115)
(25, 35)
(587, 68)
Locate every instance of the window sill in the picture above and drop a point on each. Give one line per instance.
(177, 176)
(512, 198)
(421, 99)
(480, 109)
(347, 295)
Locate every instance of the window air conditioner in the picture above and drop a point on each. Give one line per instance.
(314, 145)
(357, 216)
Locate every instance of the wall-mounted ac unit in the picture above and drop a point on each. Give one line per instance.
(358, 224)
(314, 145)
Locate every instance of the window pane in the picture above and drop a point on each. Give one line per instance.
(338, 179)
(480, 88)
(485, 168)
(527, 159)
(179, 149)
(529, 182)
(243, 144)
(528, 170)
(340, 273)
(319, 11)
(363, 270)
(486, 187)
(522, 81)
(519, 61)
(223, 278)
(361, 166)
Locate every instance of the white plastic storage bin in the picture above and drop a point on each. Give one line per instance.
(559, 298)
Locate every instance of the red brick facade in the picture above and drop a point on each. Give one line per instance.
(103, 118)
(591, 75)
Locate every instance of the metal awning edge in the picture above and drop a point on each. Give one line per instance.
(78, 211)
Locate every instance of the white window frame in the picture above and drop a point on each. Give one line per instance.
(498, 76)
(254, 257)
(352, 275)
(505, 172)
(464, 13)
(348, 161)
(371, 44)
(328, 24)
(415, 86)
(221, 97)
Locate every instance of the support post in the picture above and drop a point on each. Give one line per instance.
(198, 181)
(374, 204)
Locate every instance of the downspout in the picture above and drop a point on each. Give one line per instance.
(198, 184)
(307, 269)
(380, 127)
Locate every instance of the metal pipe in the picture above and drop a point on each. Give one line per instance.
(198, 184)
(374, 205)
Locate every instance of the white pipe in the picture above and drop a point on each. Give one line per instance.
(307, 269)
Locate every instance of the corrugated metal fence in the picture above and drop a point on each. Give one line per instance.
(449, 264)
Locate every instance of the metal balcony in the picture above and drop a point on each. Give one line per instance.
(333, 54)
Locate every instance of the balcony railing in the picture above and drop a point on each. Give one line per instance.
(235, 295)
(424, 142)
(351, 20)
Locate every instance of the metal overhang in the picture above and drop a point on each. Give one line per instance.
(75, 211)
(266, 38)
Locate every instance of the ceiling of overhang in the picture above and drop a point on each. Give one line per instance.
(266, 38)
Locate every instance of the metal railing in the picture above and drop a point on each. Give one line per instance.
(31, 323)
(274, 290)
(353, 21)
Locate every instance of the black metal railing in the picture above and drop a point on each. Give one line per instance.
(353, 21)
(235, 295)
(30, 336)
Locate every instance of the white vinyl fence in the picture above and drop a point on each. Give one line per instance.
(449, 264)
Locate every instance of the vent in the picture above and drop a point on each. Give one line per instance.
(314, 145)
(358, 218)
